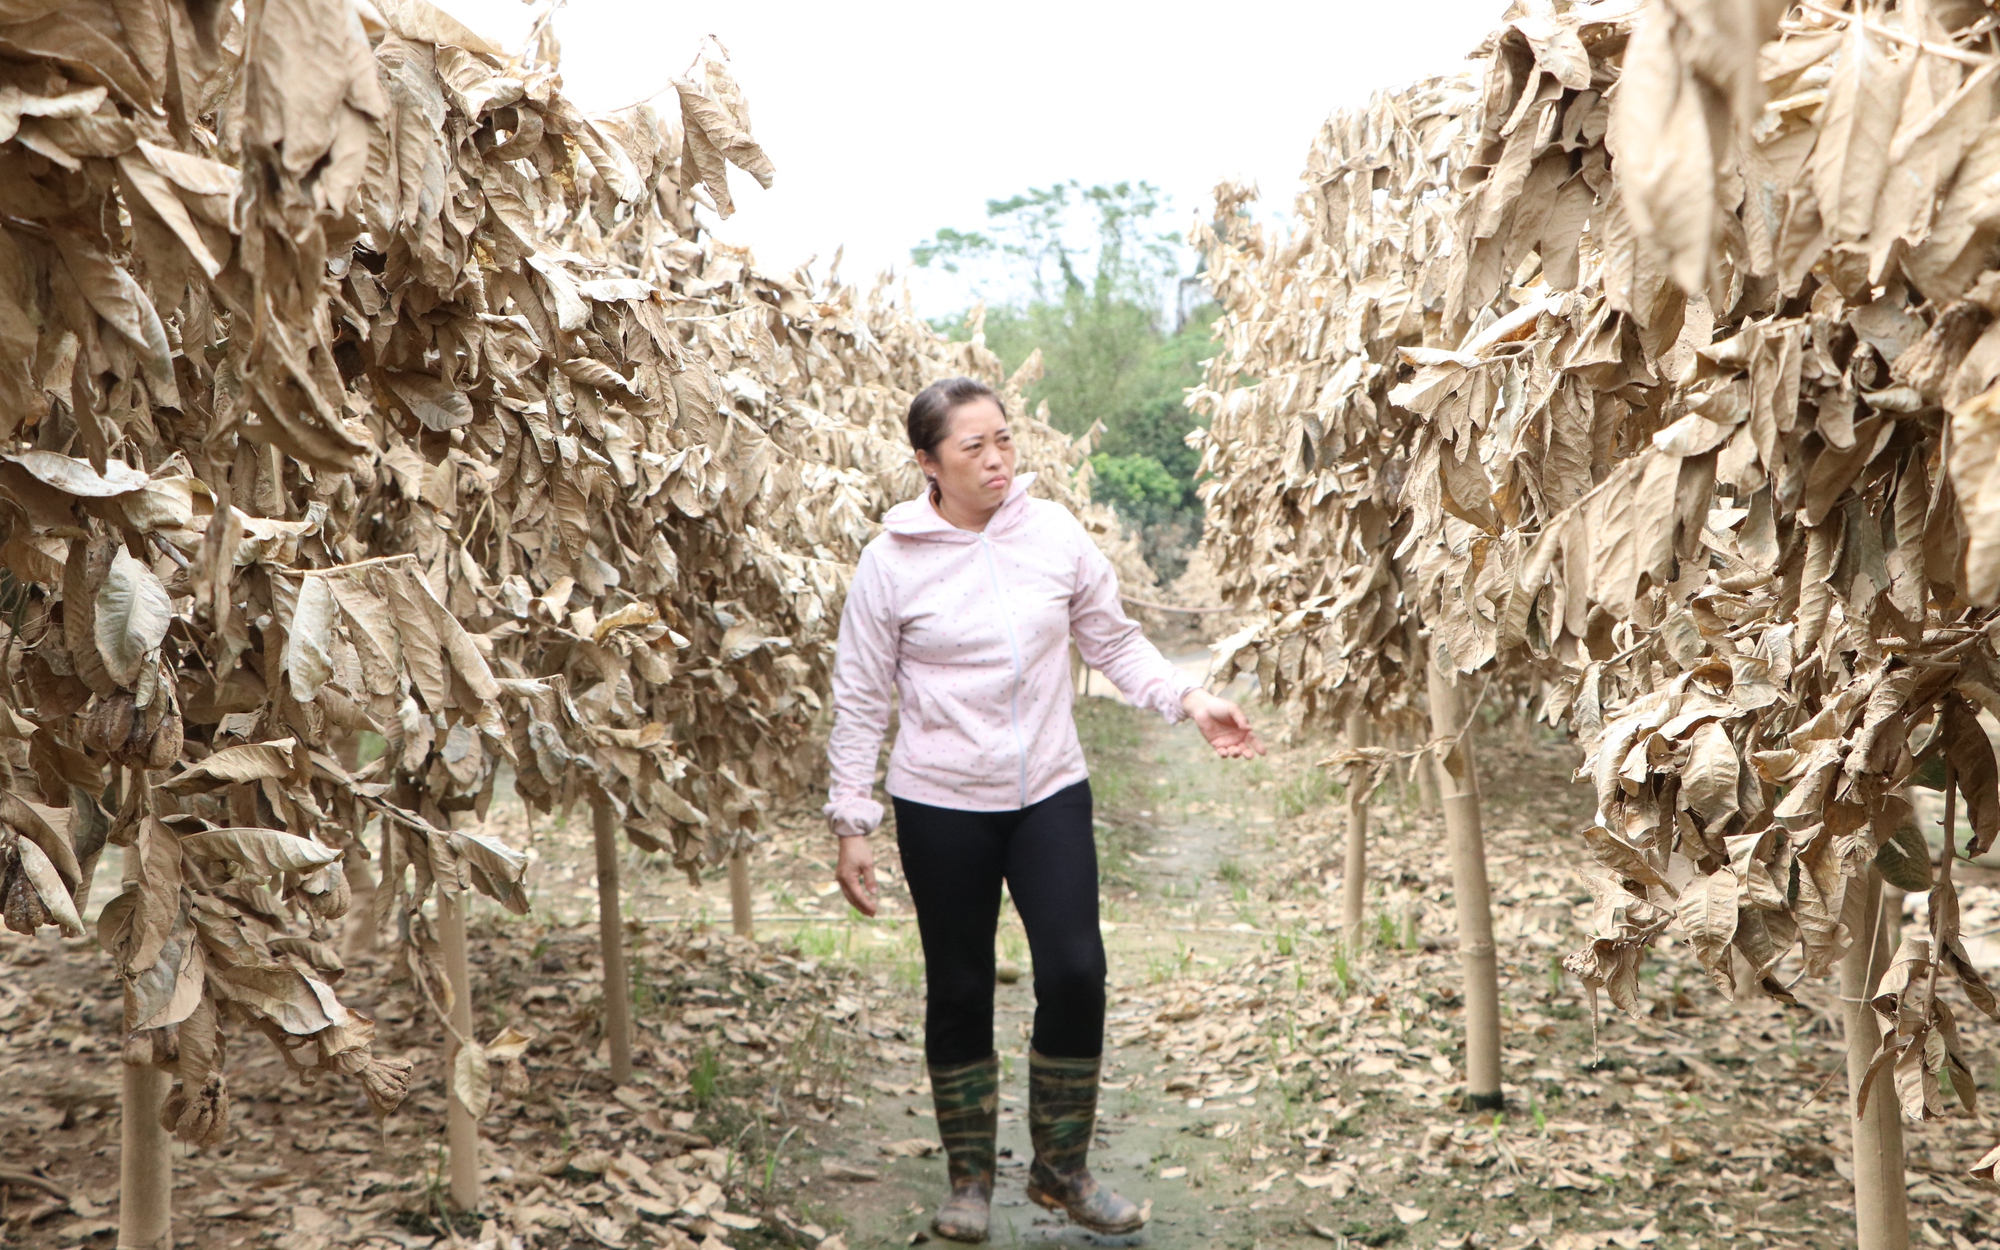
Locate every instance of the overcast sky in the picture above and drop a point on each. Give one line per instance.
(889, 120)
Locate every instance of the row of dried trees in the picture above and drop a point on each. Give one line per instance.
(1653, 368)
(352, 379)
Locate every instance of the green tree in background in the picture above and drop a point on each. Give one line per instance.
(1085, 274)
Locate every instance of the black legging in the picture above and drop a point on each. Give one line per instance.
(954, 862)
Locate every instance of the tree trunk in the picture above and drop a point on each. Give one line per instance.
(1743, 976)
(739, 895)
(1460, 799)
(611, 936)
(461, 1130)
(361, 936)
(145, 1167)
(1355, 885)
(1892, 918)
(1427, 786)
(362, 933)
(1881, 1203)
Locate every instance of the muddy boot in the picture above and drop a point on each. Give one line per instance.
(1062, 1115)
(967, 1097)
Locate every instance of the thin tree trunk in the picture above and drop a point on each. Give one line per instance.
(145, 1167)
(1427, 786)
(1881, 1203)
(1742, 975)
(611, 935)
(361, 936)
(739, 895)
(1459, 781)
(1355, 885)
(461, 1130)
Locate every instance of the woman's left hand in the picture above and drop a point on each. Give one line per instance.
(1223, 724)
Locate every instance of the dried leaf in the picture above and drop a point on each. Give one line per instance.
(258, 852)
(471, 1080)
(77, 477)
(1978, 777)
(1709, 781)
(1707, 913)
(132, 614)
(431, 400)
(309, 638)
(1623, 859)
(249, 761)
(48, 884)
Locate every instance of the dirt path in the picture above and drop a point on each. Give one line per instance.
(1181, 834)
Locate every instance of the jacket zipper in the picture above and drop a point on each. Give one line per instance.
(1014, 696)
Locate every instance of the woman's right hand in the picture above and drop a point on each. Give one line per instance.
(1223, 724)
(856, 874)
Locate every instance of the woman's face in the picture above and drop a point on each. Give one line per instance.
(974, 464)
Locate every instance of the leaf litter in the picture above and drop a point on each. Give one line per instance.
(570, 1158)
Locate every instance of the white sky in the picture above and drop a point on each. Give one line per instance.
(887, 120)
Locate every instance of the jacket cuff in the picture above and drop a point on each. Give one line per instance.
(853, 818)
(1178, 686)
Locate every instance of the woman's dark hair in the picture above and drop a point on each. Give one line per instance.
(930, 411)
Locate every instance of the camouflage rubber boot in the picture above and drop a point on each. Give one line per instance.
(967, 1097)
(1062, 1116)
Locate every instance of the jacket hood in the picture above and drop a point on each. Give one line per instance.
(916, 518)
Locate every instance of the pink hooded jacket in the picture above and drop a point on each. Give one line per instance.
(972, 631)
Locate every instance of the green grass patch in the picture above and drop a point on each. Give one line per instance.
(704, 1076)
(1110, 733)
(1309, 789)
(1119, 782)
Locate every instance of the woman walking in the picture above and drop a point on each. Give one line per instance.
(965, 607)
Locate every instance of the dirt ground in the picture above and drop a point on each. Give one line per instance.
(1263, 1090)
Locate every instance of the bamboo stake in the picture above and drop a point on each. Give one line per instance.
(1881, 1203)
(1459, 781)
(145, 1166)
(611, 936)
(739, 896)
(1355, 885)
(461, 1130)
